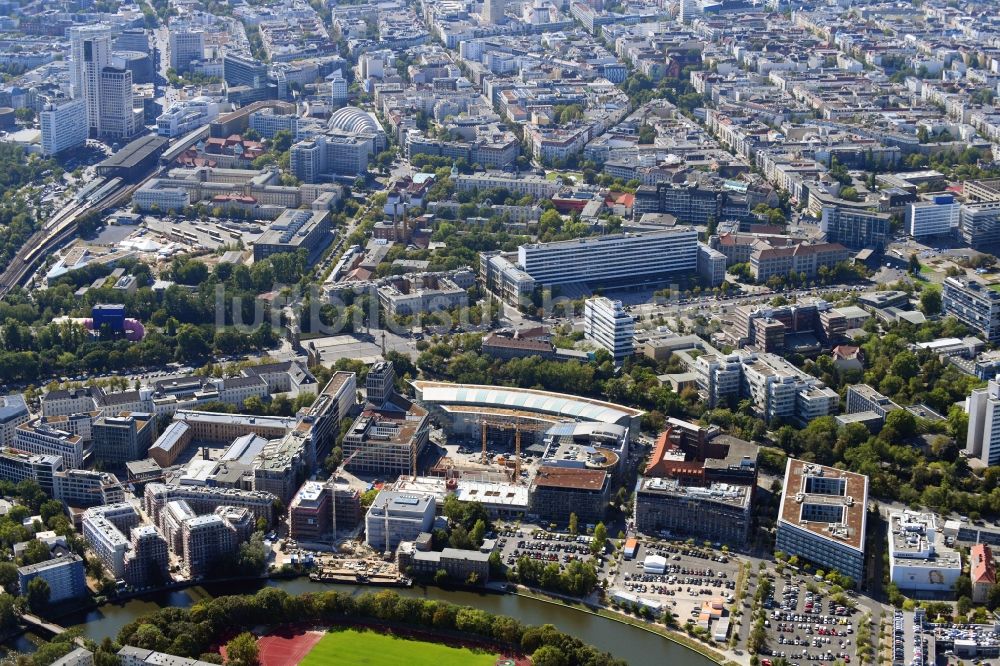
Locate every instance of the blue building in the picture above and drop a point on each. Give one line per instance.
(64, 574)
(110, 316)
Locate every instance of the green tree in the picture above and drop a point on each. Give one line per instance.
(35, 552)
(549, 655)
(477, 533)
(242, 650)
(930, 299)
(600, 539)
(38, 595)
(574, 524)
(8, 576)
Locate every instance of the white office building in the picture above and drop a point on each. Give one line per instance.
(397, 516)
(937, 217)
(185, 116)
(920, 563)
(47, 441)
(983, 438)
(61, 124)
(338, 89)
(638, 257)
(606, 324)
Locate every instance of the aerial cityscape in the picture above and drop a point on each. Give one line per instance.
(495, 332)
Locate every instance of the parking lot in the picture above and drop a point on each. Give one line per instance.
(807, 624)
(514, 541)
(692, 575)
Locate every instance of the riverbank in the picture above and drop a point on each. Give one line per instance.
(724, 657)
(630, 641)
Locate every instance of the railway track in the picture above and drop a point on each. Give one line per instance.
(55, 235)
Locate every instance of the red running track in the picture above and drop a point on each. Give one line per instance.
(288, 647)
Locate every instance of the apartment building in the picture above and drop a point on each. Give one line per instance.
(719, 376)
(60, 123)
(822, 517)
(505, 280)
(65, 576)
(973, 304)
(315, 507)
(868, 406)
(606, 324)
(209, 539)
(205, 499)
(104, 528)
(147, 562)
(776, 387)
(983, 438)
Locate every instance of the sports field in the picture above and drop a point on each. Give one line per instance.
(356, 648)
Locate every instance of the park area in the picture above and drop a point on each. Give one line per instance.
(354, 647)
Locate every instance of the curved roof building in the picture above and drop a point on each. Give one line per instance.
(493, 401)
(354, 120)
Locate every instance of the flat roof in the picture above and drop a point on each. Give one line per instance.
(852, 498)
(135, 152)
(570, 477)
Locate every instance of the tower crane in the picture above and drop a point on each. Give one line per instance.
(517, 425)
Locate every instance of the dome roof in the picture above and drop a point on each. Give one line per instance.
(353, 119)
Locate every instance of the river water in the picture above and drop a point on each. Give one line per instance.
(635, 645)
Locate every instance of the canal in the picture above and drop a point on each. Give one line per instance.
(624, 641)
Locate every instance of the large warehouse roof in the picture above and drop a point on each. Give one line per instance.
(528, 399)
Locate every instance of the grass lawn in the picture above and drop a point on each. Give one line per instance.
(995, 286)
(353, 648)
